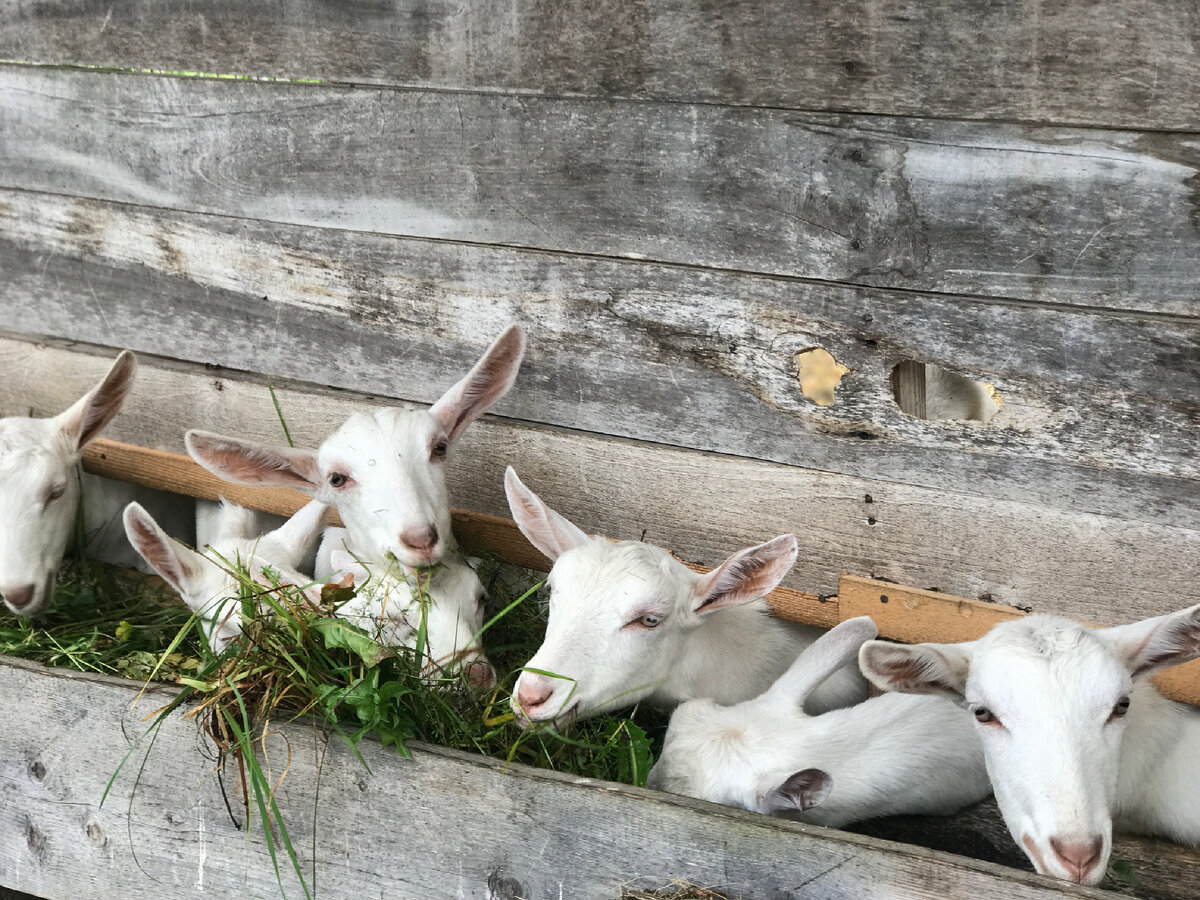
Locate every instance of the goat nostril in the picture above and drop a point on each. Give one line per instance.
(1079, 856)
(532, 696)
(481, 675)
(18, 597)
(423, 539)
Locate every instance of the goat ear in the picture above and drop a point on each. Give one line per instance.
(746, 576)
(547, 530)
(177, 564)
(486, 383)
(1157, 643)
(829, 653)
(917, 668)
(292, 541)
(95, 409)
(802, 790)
(243, 462)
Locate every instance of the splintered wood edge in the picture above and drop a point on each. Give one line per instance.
(907, 614)
(915, 616)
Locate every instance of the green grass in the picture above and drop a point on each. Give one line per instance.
(294, 660)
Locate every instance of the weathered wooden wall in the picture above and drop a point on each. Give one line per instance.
(445, 824)
(675, 199)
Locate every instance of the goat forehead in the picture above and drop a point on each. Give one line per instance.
(32, 447)
(1062, 671)
(382, 429)
(600, 574)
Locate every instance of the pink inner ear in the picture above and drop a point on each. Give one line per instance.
(487, 382)
(249, 464)
(87, 418)
(746, 575)
(156, 550)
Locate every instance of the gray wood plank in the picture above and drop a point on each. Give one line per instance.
(1091, 218)
(1099, 416)
(444, 824)
(703, 506)
(1136, 66)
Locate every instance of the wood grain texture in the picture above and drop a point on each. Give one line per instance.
(1136, 65)
(444, 824)
(1093, 218)
(1100, 411)
(703, 506)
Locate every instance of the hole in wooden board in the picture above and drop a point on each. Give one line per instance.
(819, 374)
(930, 392)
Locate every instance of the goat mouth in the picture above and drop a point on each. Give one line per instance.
(558, 722)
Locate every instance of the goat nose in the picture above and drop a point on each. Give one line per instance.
(18, 597)
(481, 675)
(422, 539)
(1078, 855)
(532, 694)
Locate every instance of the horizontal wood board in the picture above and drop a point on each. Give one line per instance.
(1134, 66)
(1092, 217)
(703, 506)
(444, 824)
(1100, 410)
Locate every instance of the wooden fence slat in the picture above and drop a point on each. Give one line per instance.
(1087, 217)
(1135, 67)
(444, 824)
(630, 348)
(703, 506)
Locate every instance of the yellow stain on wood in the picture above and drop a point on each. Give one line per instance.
(819, 374)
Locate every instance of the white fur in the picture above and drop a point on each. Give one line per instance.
(889, 755)
(715, 637)
(41, 489)
(393, 602)
(204, 580)
(1063, 766)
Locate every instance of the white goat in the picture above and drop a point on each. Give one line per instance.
(630, 622)
(396, 604)
(204, 581)
(889, 755)
(41, 489)
(1073, 732)
(384, 471)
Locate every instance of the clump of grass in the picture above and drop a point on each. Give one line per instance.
(104, 619)
(295, 658)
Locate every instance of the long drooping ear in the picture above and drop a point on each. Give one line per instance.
(486, 383)
(917, 668)
(294, 539)
(745, 576)
(828, 653)
(95, 409)
(243, 462)
(802, 790)
(1153, 644)
(177, 564)
(545, 529)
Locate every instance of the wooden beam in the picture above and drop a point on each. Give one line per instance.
(340, 309)
(441, 825)
(1073, 216)
(924, 59)
(915, 616)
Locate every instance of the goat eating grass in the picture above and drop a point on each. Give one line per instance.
(629, 622)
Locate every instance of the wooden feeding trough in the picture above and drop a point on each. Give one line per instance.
(746, 240)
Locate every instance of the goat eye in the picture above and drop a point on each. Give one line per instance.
(1120, 709)
(439, 450)
(984, 716)
(650, 621)
(337, 479)
(55, 493)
